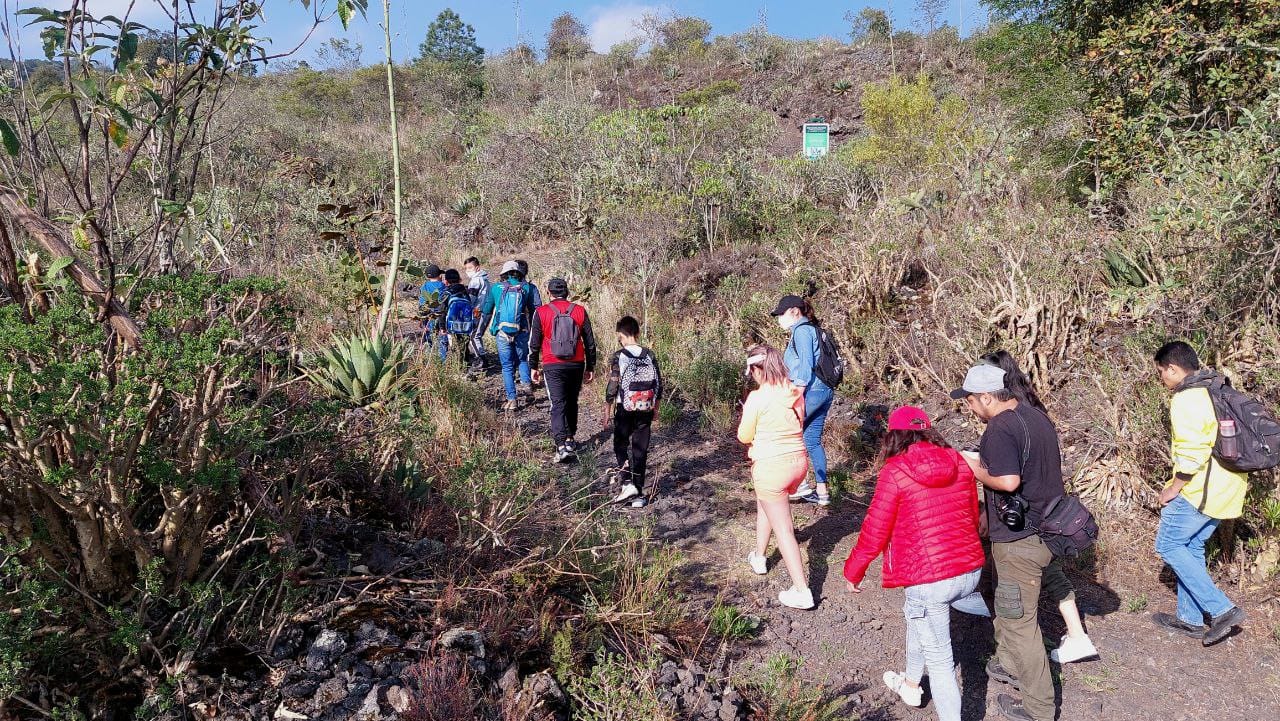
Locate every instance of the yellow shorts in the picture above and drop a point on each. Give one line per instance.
(776, 478)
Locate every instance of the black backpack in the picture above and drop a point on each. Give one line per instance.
(1257, 431)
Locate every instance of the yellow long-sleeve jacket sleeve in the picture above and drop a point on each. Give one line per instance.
(1214, 490)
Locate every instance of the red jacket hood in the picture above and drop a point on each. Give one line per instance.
(928, 465)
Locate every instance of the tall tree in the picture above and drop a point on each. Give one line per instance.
(567, 39)
(450, 40)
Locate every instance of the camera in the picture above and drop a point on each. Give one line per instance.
(1011, 509)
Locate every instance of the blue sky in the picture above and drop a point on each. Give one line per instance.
(495, 20)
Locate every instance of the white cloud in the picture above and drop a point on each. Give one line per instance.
(619, 23)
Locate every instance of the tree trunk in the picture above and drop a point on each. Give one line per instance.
(49, 238)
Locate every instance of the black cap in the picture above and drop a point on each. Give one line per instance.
(433, 271)
(787, 303)
(452, 276)
(558, 287)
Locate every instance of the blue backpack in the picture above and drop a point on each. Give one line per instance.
(510, 317)
(460, 316)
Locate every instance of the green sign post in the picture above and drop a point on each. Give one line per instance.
(817, 139)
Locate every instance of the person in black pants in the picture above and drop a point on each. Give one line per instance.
(633, 395)
(562, 349)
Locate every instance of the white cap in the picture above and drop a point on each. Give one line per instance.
(510, 266)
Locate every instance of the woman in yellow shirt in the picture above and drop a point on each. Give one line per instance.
(772, 425)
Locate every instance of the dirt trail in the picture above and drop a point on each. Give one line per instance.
(700, 504)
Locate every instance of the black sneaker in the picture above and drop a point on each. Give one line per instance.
(1011, 708)
(996, 672)
(1221, 626)
(1170, 622)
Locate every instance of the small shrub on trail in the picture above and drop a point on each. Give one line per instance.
(779, 694)
(729, 622)
(442, 690)
(618, 689)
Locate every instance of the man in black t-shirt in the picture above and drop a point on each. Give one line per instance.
(1018, 458)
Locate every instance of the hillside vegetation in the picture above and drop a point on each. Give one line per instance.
(192, 240)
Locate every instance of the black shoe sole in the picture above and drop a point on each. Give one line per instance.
(1197, 634)
(1219, 630)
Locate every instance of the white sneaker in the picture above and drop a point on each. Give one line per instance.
(801, 598)
(628, 491)
(897, 683)
(759, 563)
(804, 490)
(1073, 649)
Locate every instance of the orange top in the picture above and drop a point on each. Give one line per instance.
(773, 422)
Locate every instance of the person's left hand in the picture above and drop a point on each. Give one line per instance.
(590, 376)
(535, 375)
(853, 587)
(1167, 495)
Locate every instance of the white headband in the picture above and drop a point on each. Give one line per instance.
(756, 359)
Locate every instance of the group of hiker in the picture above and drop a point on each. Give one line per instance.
(550, 344)
(933, 505)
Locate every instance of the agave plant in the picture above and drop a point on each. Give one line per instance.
(361, 370)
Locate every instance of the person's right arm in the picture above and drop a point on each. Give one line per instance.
(535, 342)
(1000, 465)
(800, 368)
(486, 308)
(877, 529)
(1193, 426)
(750, 417)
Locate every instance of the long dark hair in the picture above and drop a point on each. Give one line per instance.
(1015, 381)
(895, 443)
(806, 310)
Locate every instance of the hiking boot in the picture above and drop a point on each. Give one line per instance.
(759, 563)
(804, 490)
(996, 672)
(1220, 627)
(629, 491)
(824, 500)
(509, 405)
(1170, 622)
(1074, 649)
(801, 598)
(565, 454)
(1011, 708)
(640, 502)
(897, 683)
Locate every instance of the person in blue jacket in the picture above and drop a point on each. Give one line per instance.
(510, 324)
(795, 314)
(433, 285)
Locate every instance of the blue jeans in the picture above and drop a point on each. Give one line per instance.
(514, 354)
(1180, 542)
(817, 403)
(928, 612)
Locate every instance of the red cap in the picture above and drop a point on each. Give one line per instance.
(909, 418)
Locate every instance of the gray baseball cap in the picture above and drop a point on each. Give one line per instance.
(981, 378)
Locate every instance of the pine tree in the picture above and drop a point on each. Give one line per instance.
(450, 40)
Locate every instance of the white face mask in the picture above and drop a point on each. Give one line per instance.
(786, 321)
(471, 274)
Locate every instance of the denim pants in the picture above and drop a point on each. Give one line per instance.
(817, 403)
(1180, 542)
(928, 611)
(514, 354)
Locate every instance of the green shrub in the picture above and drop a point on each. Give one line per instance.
(729, 622)
(616, 689)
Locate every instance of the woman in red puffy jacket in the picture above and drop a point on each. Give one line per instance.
(924, 518)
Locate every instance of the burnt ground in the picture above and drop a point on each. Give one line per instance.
(700, 503)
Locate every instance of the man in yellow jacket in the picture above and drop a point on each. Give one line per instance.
(1199, 496)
